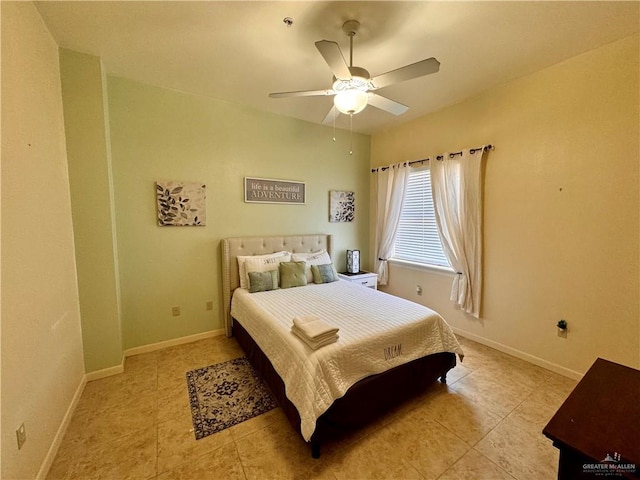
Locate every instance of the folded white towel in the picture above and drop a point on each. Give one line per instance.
(314, 328)
(299, 321)
(318, 338)
(315, 344)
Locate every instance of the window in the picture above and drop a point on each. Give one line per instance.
(417, 238)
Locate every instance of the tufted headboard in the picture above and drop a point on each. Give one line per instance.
(232, 247)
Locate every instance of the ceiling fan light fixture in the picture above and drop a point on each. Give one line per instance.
(351, 101)
(353, 87)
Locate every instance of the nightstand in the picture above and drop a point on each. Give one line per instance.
(366, 279)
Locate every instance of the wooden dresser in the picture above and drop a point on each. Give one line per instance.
(597, 428)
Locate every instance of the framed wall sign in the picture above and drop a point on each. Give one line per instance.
(268, 190)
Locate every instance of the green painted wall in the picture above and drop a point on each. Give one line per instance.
(160, 134)
(90, 179)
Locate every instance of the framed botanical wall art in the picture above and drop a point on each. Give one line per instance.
(342, 206)
(181, 203)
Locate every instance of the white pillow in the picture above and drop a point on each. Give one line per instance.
(259, 263)
(315, 258)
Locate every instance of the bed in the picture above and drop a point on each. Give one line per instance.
(318, 405)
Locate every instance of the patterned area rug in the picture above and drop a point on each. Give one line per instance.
(225, 394)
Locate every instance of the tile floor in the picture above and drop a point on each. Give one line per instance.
(486, 423)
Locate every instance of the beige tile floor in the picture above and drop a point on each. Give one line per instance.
(486, 423)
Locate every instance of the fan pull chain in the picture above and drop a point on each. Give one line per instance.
(334, 128)
(351, 134)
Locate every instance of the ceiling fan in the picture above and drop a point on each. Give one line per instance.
(353, 88)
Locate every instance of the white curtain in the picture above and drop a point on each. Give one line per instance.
(456, 183)
(391, 186)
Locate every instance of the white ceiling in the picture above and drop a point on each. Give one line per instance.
(241, 51)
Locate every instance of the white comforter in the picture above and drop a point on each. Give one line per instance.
(377, 332)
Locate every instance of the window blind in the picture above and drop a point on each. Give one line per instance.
(417, 238)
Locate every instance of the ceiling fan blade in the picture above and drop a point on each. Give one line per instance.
(303, 93)
(386, 104)
(331, 116)
(331, 53)
(418, 69)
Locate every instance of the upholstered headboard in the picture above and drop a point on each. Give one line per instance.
(232, 247)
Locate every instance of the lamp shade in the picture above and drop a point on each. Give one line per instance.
(353, 261)
(351, 101)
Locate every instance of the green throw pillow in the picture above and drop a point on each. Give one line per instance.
(293, 274)
(263, 281)
(324, 273)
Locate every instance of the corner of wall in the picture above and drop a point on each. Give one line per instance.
(86, 115)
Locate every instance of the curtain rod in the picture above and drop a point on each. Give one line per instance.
(439, 158)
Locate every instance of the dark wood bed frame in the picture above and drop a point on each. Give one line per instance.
(364, 401)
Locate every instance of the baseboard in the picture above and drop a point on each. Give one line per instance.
(105, 372)
(521, 355)
(172, 343)
(62, 429)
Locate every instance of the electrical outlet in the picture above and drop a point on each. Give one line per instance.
(175, 311)
(210, 305)
(562, 328)
(21, 436)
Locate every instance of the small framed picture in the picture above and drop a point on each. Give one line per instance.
(181, 203)
(342, 206)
